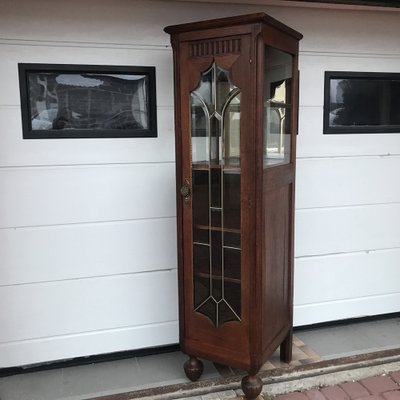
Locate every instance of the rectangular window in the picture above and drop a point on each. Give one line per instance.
(87, 101)
(361, 102)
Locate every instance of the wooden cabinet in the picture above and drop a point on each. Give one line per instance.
(236, 83)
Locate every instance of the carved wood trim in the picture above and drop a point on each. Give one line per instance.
(214, 47)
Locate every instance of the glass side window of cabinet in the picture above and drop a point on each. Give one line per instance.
(215, 139)
(277, 106)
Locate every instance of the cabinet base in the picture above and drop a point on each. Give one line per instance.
(286, 348)
(252, 386)
(193, 368)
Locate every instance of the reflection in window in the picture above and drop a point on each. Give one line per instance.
(361, 102)
(277, 106)
(88, 101)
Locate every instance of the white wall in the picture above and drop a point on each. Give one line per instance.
(87, 226)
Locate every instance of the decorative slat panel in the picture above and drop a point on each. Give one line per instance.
(214, 47)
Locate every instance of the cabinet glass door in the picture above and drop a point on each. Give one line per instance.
(215, 142)
(277, 106)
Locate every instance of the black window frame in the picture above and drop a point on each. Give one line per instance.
(28, 133)
(360, 129)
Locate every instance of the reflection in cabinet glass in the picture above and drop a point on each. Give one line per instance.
(216, 196)
(277, 94)
(235, 117)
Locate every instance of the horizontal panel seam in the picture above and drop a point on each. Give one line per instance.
(95, 277)
(349, 299)
(88, 333)
(327, 207)
(341, 54)
(343, 253)
(72, 224)
(351, 156)
(65, 43)
(139, 163)
(78, 165)
(384, 156)
(311, 105)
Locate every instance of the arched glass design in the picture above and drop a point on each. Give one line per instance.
(215, 135)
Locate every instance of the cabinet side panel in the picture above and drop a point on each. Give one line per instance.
(276, 296)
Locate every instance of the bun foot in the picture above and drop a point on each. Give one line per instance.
(251, 386)
(193, 368)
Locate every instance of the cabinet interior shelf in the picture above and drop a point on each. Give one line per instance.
(217, 228)
(218, 277)
(232, 169)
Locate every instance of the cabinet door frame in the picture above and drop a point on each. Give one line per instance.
(229, 342)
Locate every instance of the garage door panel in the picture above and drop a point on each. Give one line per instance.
(309, 314)
(86, 305)
(17, 152)
(346, 276)
(351, 181)
(52, 253)
(347, 229)
(312, 69)
(312, 143)
(64, 195)
(91, 55)
(60, 347)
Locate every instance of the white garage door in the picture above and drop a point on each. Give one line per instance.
(348, 201)
(87, 227)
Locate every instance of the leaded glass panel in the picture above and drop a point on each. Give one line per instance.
(215, 132)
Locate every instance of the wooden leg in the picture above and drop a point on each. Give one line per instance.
(252, 386)
(286, 348)
(193, 368)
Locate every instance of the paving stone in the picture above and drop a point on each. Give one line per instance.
(211, 396)
(396, 376)
(393, 395)
(371, 397)
(192, 398)
(188, 398)
(379, 384)
(334, 393)
(314, 394)
(292, 396)
(354, 390)
(225, 395)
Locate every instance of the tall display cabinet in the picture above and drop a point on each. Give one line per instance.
(236, 85)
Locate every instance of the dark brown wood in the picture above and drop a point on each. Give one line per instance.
(193, 368)
(285, 351)
(252, 386)
(232, 22)
(237, 45)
